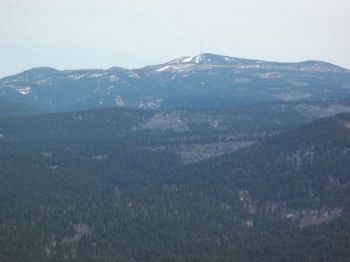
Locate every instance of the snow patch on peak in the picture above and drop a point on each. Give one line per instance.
(23, 90)
(119, 101)
(76, 76)
(188, 59)
(96, 75)
(113, 78)
(163, 68)
(204, 59)
(133, 74)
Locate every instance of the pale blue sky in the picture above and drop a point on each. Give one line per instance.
(71, 34)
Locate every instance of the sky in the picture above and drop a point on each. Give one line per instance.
(77, 34)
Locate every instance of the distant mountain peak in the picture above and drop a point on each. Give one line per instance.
(42, 69)
(219, 60)
(205, 58)
(39, 72)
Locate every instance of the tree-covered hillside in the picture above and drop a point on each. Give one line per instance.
(116, 198)
(8, 109)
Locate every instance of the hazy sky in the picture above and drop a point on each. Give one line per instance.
(68, 34)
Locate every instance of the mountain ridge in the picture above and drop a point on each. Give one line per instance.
(206, 80)
(203, 58)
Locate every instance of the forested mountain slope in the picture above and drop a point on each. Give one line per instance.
(8, 109)
(285, 198)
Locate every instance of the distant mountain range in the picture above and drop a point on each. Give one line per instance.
(205, 80)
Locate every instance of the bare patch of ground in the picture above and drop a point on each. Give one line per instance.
(80, 229)
(190, 153)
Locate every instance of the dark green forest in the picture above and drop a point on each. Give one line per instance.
(94, 186)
